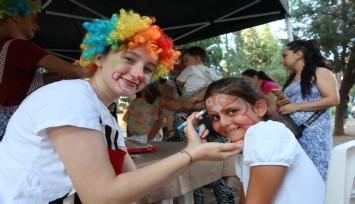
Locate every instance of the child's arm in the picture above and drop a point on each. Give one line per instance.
(264, 183)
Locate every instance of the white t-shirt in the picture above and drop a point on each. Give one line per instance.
(194, 77)
(271, 143)
(30, 168)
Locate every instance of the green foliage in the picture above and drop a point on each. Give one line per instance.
(330, 22)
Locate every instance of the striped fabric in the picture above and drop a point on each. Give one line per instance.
(7, 111)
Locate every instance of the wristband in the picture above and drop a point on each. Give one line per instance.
(184, 151)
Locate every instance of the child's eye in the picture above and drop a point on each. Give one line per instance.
(231, 112)
(149, 69)
(214, 117)
(129, 60)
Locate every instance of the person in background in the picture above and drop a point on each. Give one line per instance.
(264, 82)
(144, 116)
(21, 59)
(196, 76)
(171, 100)
(68, 138)
(273, 167)
(311, 86)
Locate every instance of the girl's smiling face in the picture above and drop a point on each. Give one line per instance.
(231, 115)
(127, 71)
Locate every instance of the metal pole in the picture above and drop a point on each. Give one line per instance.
(288, 26)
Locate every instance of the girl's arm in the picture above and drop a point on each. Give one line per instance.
(264, 183)
(84, 154)
(327, 86)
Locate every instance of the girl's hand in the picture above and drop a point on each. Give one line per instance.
(282, 102)
(289, 108)
(194, 137)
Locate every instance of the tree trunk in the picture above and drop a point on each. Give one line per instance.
(345, 86)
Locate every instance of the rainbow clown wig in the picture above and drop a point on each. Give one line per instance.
(132, 30)
(18, 7)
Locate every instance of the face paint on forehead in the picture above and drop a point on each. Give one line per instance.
(238, 100)
(244, 110)
(216, 107)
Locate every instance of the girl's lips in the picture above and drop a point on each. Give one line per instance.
(130, 83)
(232, 130)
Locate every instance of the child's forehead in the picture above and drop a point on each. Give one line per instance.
(223, 97)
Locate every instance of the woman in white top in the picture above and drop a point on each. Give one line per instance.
(273, 167)
(64, 137)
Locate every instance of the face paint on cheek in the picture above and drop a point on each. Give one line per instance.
(245, 107)
(116, 75)
(115, 62)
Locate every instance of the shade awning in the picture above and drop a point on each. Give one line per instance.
(61, 30)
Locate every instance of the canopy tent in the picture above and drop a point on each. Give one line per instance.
(61, 30)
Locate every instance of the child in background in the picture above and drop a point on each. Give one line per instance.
(264, 82)
(196, 75)
(273, 167)
(144, 115)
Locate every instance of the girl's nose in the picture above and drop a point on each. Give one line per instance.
(137, 72)
(225, 121)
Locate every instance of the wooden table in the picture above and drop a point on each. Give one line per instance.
(198, 174)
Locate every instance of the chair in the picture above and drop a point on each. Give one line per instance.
(340, 187)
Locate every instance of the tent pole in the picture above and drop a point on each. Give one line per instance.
(288, 26)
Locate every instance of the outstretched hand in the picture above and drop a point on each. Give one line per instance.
(215, 151)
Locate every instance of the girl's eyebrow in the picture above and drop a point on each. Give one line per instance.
(138, 56)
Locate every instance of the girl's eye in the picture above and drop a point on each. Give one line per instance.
(149, 69)
(231, 112)
(214, 117)
(129, 60)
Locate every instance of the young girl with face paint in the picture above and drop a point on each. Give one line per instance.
(273, 166)
(63, 137)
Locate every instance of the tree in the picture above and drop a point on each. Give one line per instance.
(260, 50)
(331, 22)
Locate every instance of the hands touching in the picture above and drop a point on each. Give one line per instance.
(200, 150)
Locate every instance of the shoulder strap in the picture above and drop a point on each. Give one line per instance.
(314, 117)
(3, 54)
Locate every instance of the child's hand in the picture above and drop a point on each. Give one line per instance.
(194, 137)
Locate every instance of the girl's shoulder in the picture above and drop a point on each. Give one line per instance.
(270, 142)
(323, 70)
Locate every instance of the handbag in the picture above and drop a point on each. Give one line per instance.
(297, 130)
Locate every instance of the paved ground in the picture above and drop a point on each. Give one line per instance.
(349, 135)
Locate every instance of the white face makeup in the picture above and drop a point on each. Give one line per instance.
(129, 69)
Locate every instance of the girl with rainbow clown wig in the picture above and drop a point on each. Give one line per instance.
(131, 30)
(63, 137)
